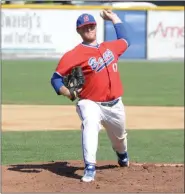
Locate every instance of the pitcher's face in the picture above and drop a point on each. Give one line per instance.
(88, 32)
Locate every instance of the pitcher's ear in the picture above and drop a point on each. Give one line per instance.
(78, 31)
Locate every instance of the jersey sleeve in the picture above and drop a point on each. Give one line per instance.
(119, 46)
(65, 65)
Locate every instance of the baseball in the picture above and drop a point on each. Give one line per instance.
(103, 15)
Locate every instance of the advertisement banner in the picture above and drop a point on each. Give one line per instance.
(135, 24)
(42, 33)
(165, 35)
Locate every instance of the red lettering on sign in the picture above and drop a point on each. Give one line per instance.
(168, 31)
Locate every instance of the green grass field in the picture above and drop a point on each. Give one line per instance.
(145, 83)
(144, 146)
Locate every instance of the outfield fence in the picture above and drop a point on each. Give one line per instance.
(48, 31)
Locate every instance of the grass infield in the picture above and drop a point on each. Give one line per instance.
(144, 146)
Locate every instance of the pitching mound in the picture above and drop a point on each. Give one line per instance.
(65, 177)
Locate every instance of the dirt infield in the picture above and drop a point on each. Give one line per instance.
(15, 117)
(64, 176)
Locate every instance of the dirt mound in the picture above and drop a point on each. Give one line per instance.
(65, 177)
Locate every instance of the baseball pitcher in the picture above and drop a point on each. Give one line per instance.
(89, 73)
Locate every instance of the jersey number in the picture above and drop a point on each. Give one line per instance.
(115, 67)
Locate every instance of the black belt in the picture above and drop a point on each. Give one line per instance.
(110, 104)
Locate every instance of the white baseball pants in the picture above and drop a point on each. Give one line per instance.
(93, 115)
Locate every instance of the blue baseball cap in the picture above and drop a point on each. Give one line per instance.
(85, 19)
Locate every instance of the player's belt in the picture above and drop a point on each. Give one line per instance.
(110, 104)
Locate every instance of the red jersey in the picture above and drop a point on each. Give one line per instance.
(99, 65)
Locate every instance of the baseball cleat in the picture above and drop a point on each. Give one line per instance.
(123, 159)
(89, 173)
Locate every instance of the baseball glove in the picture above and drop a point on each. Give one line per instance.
(74, 81)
